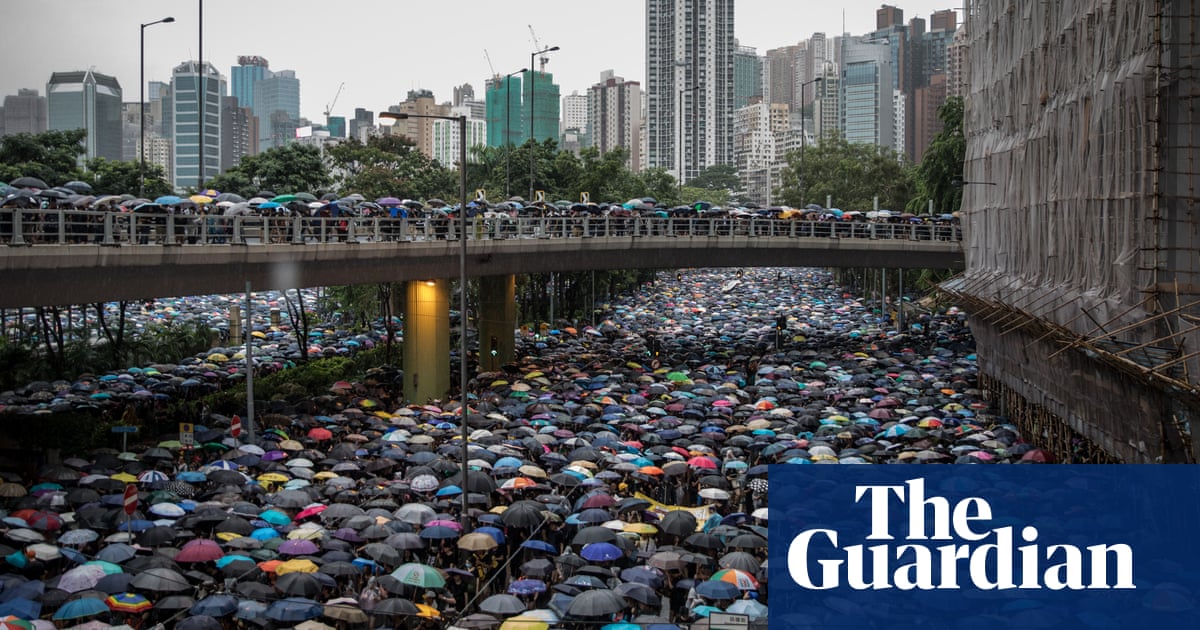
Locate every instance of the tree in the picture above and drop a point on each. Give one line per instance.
(51, 156)
(717, 177)
(117, 177)
(390, 166)
(291, 168)
(851, 173)
(942, 164)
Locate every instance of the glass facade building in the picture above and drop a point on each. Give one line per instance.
(90, 101)
(194, 140)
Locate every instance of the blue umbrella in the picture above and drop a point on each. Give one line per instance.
(215, 606)
(449, 491)
(168, 200)
(85, 607)
(539, 545)
(21, 608)
(527, 587)
(716, 589)
(294, 609)
(494, 532)
(601, 551)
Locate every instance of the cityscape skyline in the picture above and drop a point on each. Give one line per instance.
(336, 58)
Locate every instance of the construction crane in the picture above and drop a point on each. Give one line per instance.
(490, 66)
(544, 59)
(329, 106)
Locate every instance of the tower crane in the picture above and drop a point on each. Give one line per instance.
(490, 66)
(544, 59)
(329, 106)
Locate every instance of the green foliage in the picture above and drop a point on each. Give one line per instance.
(116, 177)
(391, 166)
(853, 174)
(942, 164)
(718, 177)
(51, 156)
(288, 169)
(309, 379)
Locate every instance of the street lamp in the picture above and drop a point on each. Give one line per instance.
(142, 107)
(462, 280)
(803, 136)
(681, 160)
(507, 119)
(532, 74)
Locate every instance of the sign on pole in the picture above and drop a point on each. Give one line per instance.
(131, 499)
(584, 197)
(727, 621)
(539, 196)
(480, 194)
(187, 434)
(235, 426)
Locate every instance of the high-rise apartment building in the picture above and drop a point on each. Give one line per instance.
(418, 129)
(614, 113)
(926, 124)
(24, 112)
(956, 64)
(445, 136)
(239, 132)
(689, 84)
(90, 101)
(575, 112)
(827, 104)
(196, 123)
(780, 74)
(747, 77)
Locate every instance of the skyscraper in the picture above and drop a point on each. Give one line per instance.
(191, 138)
(277, 106)
(504, 110)
(24, 112)
(541, 102)
(239, 132)
(91, 101)
(747, 76)
(419, 128)
(779, 75)
(250, 70)
(689, 83)
(867, 103)
(615, 116)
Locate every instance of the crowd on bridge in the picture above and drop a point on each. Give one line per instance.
(617, 472)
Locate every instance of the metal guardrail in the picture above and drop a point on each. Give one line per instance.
(83, 227)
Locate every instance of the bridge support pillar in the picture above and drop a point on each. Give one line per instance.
(498, 319)
(426, 351)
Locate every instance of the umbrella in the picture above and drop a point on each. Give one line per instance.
(744, 581)
(601, 551)
(298, 583)
(596, 602)
(28, 182)
(293, 609)
(503, 605)
(419, 575)
(477, 541)
(218, 605)
(718, 590)
(81, 578)
(160, 580)
(199, 550)
(79, 608)
(527, 587)
(678, 523)
(128, 603)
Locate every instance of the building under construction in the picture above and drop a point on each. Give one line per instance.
(1080, 221)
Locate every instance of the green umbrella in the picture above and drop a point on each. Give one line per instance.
(302, 196)
(419, 575)
(283, 198)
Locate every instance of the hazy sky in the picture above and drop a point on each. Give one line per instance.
(380, 49)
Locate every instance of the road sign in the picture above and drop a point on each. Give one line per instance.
(131, 499)
(187, 434)
(124, 428)
(727, 621)
(480, 194)
(539, 196)
(584, 197)
(235, 426)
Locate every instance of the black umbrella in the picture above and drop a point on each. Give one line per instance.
(394, 606)
(82, 188)
(28, 182)
(678, 523)
(639, 593)
(596, 602)
(160, 580)
(503, 604)
(523, 514)
(593, 534)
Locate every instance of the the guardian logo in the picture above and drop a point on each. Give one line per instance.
(949, 546)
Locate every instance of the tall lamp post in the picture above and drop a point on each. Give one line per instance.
(142, 107)
(462, 281)
(803, 136)
(681, 160)
(507, 119)
(532, 74)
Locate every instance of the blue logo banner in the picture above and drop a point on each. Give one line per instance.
(975, 547)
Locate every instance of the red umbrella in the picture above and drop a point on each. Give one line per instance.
(599, 501)
(44, 521)
(320, 434)
(311, 511)
(702, 462)
(199, 550)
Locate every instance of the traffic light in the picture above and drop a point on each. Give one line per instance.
(740, 272)
(781, 322)
(679, 276)
(495, 346)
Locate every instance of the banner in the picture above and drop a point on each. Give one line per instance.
(660, 509)
(1064, 547)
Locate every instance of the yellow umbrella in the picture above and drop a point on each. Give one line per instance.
(125, 477)
(290, 445)
(427, 611)
(201, 199)
(227, 536)
(296, 565)
(217, 357)
(324, 475)
(521, 622)
(640, 528)
(259, 334)
(274, 477)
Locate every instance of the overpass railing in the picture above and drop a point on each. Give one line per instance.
(83, 227)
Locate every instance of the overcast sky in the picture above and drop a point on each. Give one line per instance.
(381, 49)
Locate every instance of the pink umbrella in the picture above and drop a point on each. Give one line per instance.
(199, 550)
(444, 523)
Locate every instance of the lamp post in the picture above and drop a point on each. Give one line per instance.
(682, 164)
(803, 136)
(532, 74)
(507, 119)
(462, 281)
(142, 106)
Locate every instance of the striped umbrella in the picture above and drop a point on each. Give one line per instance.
(128, 603)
